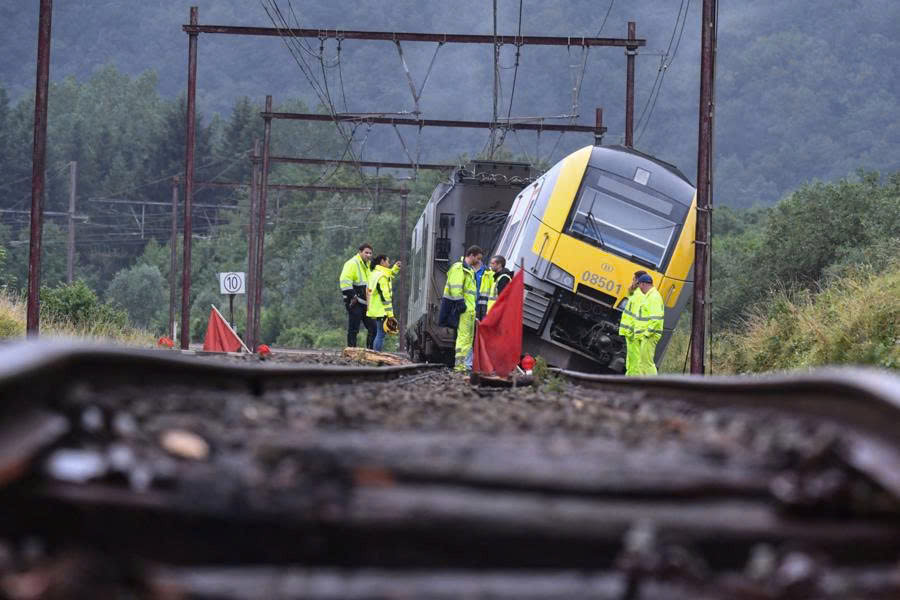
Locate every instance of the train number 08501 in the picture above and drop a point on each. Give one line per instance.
(602, 282)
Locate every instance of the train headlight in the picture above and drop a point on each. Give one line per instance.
(561, 277)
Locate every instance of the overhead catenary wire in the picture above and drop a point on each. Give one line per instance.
(576, 91)
(298, 46)
(665, 62)
(512, 92)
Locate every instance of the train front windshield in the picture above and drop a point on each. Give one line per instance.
(625, 220)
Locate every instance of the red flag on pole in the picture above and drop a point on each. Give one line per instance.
(498, 337)
(220, 337)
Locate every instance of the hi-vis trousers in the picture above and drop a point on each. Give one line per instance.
(465, 339)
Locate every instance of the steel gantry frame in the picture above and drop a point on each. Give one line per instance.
(256, 237)
(194, 29)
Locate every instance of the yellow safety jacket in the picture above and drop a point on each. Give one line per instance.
(649, 323)
(461, 284)
(379, 291)
(630, 312)
(495, 293)
(484, 293)
(354, 278)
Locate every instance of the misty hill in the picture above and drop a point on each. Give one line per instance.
(806, 89)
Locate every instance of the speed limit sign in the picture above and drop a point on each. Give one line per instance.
(231, 283)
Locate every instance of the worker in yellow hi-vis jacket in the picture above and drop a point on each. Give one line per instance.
(354, 277)
(461, 288)
(649, 327)
(627, 324)
(380, 297)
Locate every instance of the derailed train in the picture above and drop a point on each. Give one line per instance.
(579, 231)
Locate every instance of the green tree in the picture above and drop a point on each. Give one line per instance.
(141, 292)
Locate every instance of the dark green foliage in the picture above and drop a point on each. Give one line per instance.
(141, 292)
(78, 304)
(813, 235)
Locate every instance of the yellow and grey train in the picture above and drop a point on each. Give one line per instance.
(579, 232)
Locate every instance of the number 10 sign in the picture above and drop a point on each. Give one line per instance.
(231, 283)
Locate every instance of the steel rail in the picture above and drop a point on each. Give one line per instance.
(47, 369)
(864, 402)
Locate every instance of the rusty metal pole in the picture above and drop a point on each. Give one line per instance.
(261, 230)
(598, 123)
(630, 53)
(190, 135)
(404, 258)
(70, 245)
(251, 247)
(173, 258)
(38, 157)
(704, 188)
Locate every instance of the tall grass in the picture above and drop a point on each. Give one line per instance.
(853, 320)
(13, 320)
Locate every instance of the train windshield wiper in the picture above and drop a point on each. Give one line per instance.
(593, 222)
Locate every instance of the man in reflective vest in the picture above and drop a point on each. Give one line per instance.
(626, 326)
(649, 326)
(354, 277)
(502, 276)
(485, 284)
(461, 286)
(380, 303)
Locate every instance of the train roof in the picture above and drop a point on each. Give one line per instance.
(666, 178)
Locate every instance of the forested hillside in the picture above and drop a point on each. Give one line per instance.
(806, 91)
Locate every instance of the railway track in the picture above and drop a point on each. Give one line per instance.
(169, 476)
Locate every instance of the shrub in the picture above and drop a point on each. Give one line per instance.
(854, 320)
(79, 305)
(333, 338)
(298, 337)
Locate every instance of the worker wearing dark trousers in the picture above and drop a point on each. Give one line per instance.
(354, 277)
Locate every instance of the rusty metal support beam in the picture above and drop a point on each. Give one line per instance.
(396, 36)
(630, 53)
(263, 190)
(360, 163)
(509, 125)
(598, 120)
(404, 275)
(191, 132)
(46, 213)
(38, 165)
(155, 203)
(173, 258)
(70, 246)
(700, 301)
(300, 188)
(250, 332)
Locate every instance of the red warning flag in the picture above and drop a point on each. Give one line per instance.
(219, 336)
(498, 337)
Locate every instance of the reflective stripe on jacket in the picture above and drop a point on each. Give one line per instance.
(650, 316)
(501, 279)
(379, 291)
(630, 312)
(354, 277)
(484, 293)
(461, 284)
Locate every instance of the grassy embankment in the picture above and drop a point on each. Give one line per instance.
(12, 326)
(853, 320)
